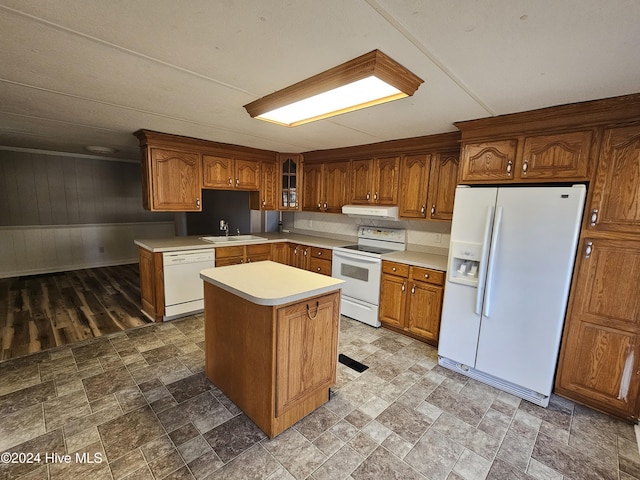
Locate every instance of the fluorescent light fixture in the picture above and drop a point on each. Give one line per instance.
(368, 80)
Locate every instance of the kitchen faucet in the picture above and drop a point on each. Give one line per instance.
(224, 226)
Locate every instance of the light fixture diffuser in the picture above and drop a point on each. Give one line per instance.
(370, 79)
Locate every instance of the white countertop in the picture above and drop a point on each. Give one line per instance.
(174, 244)
(270, 283)
(419, 259)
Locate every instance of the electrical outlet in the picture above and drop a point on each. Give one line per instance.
(437, 238)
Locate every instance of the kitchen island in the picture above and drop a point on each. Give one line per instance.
(271, 339)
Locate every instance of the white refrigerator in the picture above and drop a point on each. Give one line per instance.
(510, 264)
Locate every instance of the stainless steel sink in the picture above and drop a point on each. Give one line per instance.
(234, 238)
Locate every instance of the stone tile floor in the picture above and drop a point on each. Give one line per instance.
(139, 401)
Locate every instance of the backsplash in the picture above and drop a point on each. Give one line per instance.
(421, 235)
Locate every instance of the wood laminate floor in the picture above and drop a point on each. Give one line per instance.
(39, 312)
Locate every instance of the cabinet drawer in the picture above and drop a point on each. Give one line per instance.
(226, 252)
(321, 252)
(261, 257)
(223, 262)
(428, 275)
(393, 268)
(259, 249)
(320, 265)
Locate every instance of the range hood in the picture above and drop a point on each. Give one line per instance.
(371, 211)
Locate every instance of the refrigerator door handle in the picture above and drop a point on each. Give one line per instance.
(492, 261)
(485, 248)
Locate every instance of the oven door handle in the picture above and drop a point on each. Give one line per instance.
(357, 258)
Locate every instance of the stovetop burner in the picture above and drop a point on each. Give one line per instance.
(368, 249)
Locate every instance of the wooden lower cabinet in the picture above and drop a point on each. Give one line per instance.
(600, 355)
(242, 254)
(280, 252)
(276, 363)
(151, 283)
(307, 341)
(299, 256)
(411, 300)
(320, 261)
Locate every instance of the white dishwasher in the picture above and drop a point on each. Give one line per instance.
(183, 287)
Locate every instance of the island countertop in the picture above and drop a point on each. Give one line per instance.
(270, 283)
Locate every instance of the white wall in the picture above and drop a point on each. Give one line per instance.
(46, 249)
(422, 235)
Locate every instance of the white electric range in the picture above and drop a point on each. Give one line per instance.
(360, 266)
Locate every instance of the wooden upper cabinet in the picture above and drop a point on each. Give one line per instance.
(554, 157)
(600, 355)
(290, 166)
(387, 172)
(615, 201)
(428, 184)
(335, 186)
(217, 172)
(312, 188)
(247, 174)
(488, 161)
(326, 187)
(414, 181)
(361, 181)
(562, 155)
(228, 173)
(443, 180)
(375, 181)
(267, 197)
(172, 180)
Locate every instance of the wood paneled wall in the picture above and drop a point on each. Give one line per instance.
(63, 212)
(49, 189)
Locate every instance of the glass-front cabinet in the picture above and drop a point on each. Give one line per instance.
(290, 180)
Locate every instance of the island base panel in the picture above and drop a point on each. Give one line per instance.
(241, 359)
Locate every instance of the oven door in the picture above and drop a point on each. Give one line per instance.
(360, 273)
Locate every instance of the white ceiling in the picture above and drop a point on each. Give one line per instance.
(77, 73)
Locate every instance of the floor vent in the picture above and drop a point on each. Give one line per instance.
(351, 363)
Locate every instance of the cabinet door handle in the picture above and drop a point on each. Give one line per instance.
(404, 286)
(248, 260)
(230, 181)
(509, 166)
(594, 217)
(433, 209)
(318, 269)
(393, 269)
(319, 206)
(423, 210)
(317, 310)
(241, 261)
(375, 196)
(198, 202)
(237, 182)
(588, 250)
(264, 202)
(368, 195)
(319, 252)
(525, 167)
(305, 252)
(413, 289)
(426, 275)
(325, 205)
(295, 251)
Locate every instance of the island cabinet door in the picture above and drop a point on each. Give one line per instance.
(306, 350)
